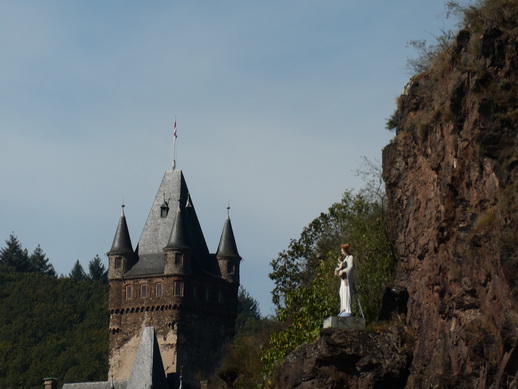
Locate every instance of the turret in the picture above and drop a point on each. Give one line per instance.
(178, 251)
(227, 254)
(121, 256)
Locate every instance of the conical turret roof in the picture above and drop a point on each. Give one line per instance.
(122, 241)
(178, 239)
(227, 244)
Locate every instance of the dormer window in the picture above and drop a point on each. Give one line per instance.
(164, 209)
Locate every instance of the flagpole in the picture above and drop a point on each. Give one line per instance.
(174, 143)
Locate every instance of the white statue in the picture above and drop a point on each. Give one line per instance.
(344, 270)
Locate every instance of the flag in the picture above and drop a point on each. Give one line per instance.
(174, 128)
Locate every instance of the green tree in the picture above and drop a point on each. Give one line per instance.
(296, 266)
(15, 256)
(306, 291)
(97, 271)
(77, 272)
(306, 308)
(248, 314)
(39, 263)
(241, 365)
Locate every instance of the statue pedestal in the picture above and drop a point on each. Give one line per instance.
(347, 323)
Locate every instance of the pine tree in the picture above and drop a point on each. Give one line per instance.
(77, 272)
(15, 256)
(97, 270)
(39, 263)
(248, 318)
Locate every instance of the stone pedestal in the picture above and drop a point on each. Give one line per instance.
(347, 323)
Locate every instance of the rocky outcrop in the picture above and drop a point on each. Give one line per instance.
(349, 359)
(451, 176)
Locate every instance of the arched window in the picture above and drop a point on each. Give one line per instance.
(178, 288)
(158, 289)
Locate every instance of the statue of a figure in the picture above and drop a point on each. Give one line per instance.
(344, 270)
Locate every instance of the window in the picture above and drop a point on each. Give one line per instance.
(207, 294)
(118, 262)
(164, 209)
(230, 268)
(158, 289)
(194, 292)
(129, 292)
(143, 291)
(178, 288)
(220, 296)
(178, 259)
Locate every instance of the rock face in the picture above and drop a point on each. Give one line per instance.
(451, 175)
(348, 359)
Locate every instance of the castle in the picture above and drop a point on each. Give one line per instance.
(173, 283)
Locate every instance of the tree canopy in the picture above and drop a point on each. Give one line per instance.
(14, 256)
(50, 326)
(305, 289)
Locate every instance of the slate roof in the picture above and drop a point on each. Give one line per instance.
(148, 370)
(147, 373)
(97, 385)
(178, 239)
(122, 241)
(227, 243)
(157, 230)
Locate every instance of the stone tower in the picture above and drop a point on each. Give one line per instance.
(173, 283)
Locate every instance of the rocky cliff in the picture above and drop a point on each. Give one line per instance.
(451, 175)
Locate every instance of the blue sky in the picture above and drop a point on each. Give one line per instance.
(276, 104)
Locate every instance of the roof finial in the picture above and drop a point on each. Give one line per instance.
(174, 143)
(122, 206)
(228, 210)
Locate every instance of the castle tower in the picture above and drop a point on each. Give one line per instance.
(227, 255)
(174, 284)
(121, 255)
(178, 251)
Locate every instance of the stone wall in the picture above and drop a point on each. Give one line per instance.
(191, 328)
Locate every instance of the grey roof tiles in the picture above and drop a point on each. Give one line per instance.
(122, 241)
(227, 244)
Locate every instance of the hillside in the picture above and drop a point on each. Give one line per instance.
(451, 175)
(51, 327)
